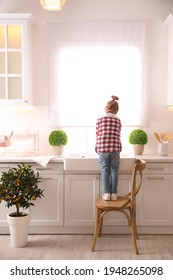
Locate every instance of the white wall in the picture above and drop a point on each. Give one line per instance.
(154, 12)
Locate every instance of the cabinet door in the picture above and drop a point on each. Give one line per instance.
(48, 211)
(14, 60)
(115, 218)
(156, 196)
(81, 192)
(4, 228)
(169, 23)
(3, 208)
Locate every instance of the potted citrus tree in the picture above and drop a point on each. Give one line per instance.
(19, 189)
(138, 138)
(58, 139)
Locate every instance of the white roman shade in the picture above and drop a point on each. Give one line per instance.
(89, 62)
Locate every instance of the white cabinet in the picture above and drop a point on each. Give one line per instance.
(47, 214)
(3, 208)
(48, 211)
(15, 59)
(156, 196)
(169, 23)
(81, 191)
(68, 205)
(3, 217)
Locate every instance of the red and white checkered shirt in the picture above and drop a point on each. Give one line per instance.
(108, 130)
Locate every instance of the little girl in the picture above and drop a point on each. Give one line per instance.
(108, 146)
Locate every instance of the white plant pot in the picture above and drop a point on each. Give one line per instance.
(19, 227)
(58, 150)
(138, 149)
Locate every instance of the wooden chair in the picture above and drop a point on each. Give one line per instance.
(125, 204)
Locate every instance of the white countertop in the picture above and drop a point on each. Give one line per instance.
(43, 160)
(156, 158)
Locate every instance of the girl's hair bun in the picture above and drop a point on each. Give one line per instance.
(114, 97)
(112, 105)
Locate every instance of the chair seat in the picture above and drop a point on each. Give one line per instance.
(112, 204)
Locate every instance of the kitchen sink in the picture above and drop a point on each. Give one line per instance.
(81, 162)
(90, 162)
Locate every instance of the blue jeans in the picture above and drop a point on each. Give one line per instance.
(109, 163)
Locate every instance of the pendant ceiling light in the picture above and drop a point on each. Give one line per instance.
(52, 5)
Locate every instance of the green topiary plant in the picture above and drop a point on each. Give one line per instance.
(138, 136)
(58, 138)
(19, 187)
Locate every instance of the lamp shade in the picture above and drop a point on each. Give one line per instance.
(52, 5)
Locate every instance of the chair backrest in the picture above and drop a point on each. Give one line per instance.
(136, 180)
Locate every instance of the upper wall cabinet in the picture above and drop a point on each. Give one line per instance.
(169, 23)
(15, 59)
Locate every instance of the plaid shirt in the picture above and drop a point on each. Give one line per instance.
(108, 130)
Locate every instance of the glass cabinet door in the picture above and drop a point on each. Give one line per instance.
(13, 60)
(11, 54)
(2, 62)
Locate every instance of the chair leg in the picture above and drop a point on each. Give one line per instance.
(100, 223)
(96, 229)
(134, 234)
(136, 231)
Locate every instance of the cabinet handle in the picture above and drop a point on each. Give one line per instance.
(43, 168)
(48, 177)
(155, 178)
(155, 168)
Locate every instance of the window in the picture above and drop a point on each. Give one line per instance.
(88, 64)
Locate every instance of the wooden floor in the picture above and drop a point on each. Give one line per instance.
(75, 247)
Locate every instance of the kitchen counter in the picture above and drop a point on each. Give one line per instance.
(76, 180)
(156, 158)
(41, 159)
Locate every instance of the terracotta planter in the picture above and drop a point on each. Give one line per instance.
(19, 227)
(138, 149)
